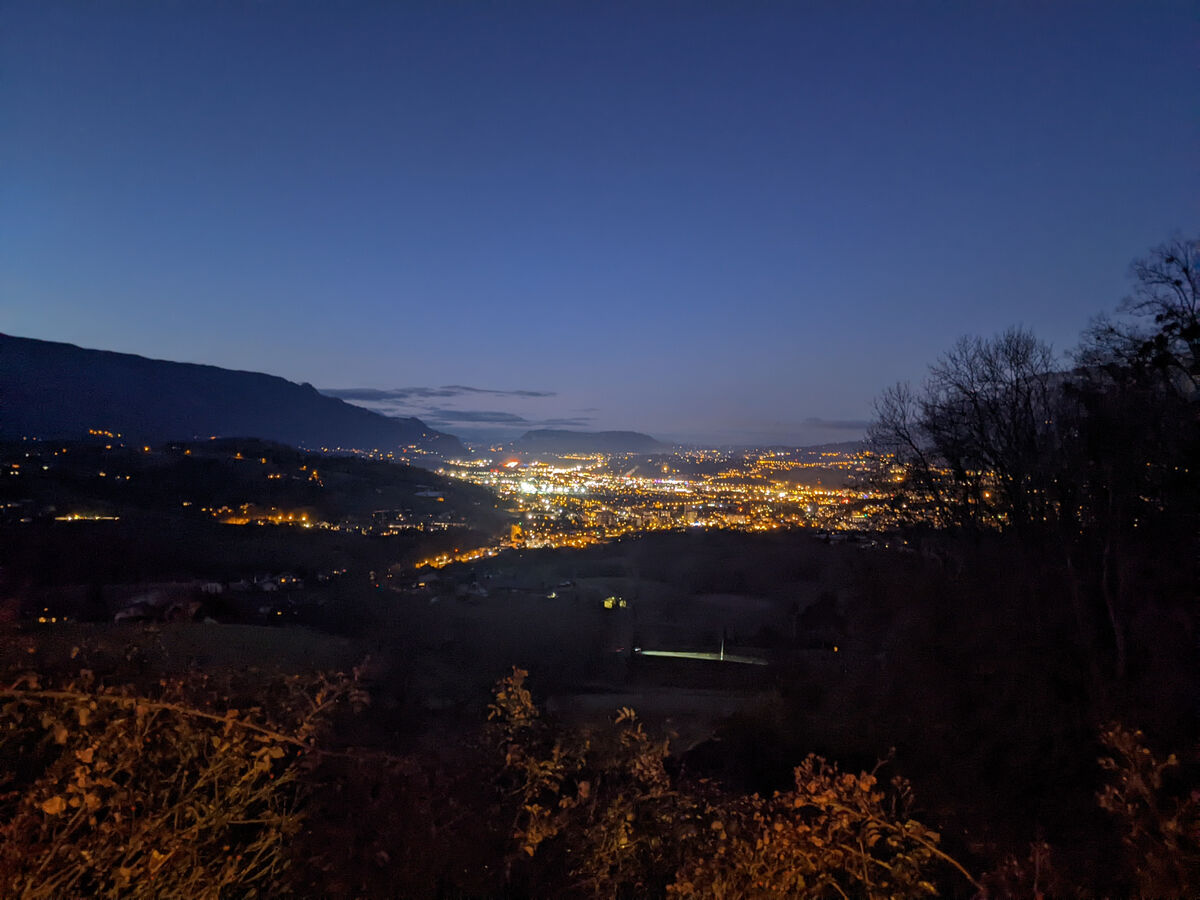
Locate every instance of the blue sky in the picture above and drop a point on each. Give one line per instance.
(709, 221)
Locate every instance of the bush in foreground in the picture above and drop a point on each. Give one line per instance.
(605, 809)
(109, 793)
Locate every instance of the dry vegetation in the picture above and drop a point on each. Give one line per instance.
(116, 792)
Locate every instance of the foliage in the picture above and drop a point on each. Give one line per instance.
(1034, 876)
(113, 793)
(629, 827)
(604, 802)
(1157, 811)
(835, 835)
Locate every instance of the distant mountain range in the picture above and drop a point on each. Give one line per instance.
(549, 440)
(54, 390)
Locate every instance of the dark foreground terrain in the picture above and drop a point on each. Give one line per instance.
(943, 658)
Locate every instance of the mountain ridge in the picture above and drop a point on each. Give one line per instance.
(51, 389)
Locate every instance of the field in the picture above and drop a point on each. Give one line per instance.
(435, 641)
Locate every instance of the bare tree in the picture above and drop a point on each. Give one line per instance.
(1138, 389)
(1157, 326)
(976, 439)
(1094, 467)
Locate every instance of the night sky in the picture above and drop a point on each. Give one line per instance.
(712, 222)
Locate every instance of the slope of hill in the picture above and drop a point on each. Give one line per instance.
(54, 390)
(550, 440)
(80, 512)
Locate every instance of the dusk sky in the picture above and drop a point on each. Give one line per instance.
(717, 222)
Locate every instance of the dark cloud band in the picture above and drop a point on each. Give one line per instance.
(394, 395)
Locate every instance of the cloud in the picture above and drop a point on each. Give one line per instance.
(401, 411)
(374, 395)
(451, 417)
(404, 395)
(436, 407)
(576, 422)
(476, 416)
(837, 424)
(474, 390)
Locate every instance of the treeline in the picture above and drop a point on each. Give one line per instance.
(1056, 504)
(1097, 467)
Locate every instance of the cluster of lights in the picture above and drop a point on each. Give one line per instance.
(579, 500)
(458, 556)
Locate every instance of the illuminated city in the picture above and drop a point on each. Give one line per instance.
(569, 500)
(577, 500)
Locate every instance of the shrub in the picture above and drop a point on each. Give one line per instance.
(607, 808)
(836, 835)
(1157, 812)
(111, 793)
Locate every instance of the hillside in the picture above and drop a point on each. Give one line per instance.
(90, 512)
(55, 390)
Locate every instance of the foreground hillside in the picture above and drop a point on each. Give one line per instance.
(1011, 789)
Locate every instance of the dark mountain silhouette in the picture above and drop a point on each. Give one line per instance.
(550, 440)
(53, 390)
